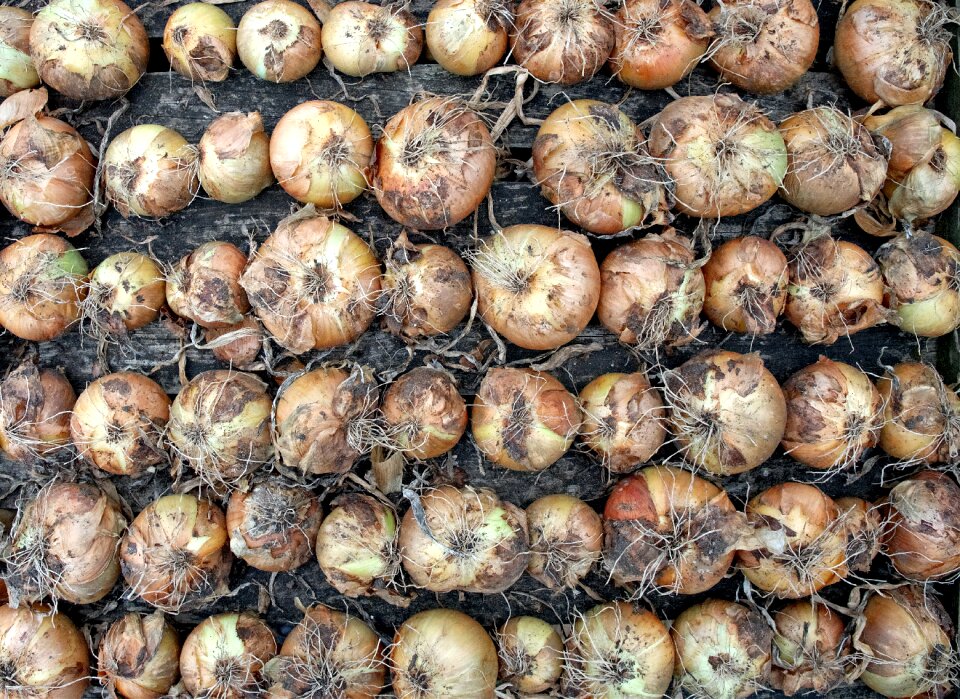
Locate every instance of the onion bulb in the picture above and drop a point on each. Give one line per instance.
(726, 410)
(273, 526)
(864, 529)
(204, 286)
(42, 654)
(139, 657)
(35, 407)
(566, 538)
(424, 412)
(667, 528)
(592, 163)
(124, 292)
(361, 38)
(746, 280)
(811, 649)
(313, 283)
(531, 654)
(234, 157)
(279, 41)
(652, 291)
(658, 42)
(41, 286)
(150, 170)
(724, 155)
(921, 415)
(237, 345)
(443, 653)
(321, 152)
(522, 419)
(469, 37)
(536, 285)
(16, 69)
(894, 51)
(463, 539)
(225, 654)
(89, 49)
(200, 41)
(175, 554)
(562, 41)
(64, 545)
(118, 421)
(434, 164)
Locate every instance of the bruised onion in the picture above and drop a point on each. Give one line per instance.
(16, 69)
(537, 286)
(204, 286)
(234, 157)
(811, 649)
(531, 654)
(139, 657)
(434, 164)
(746, 281)
(200, 41)
(522, 419)
(863, 525)
(361, 38)
(566, 537)
(124, 292)
(237, 345)
(35, 406)
(469, 37)
(424, 412)
(279, 41)
(225, 654)
(463, 539)
(921, 415)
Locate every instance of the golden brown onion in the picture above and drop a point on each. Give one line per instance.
(124, 292)
(16, 69)
(424, 413)
(361, 38)
(237, 345)
(234, 157)
(566, 537)
(469, 37)
(746, 280)
(35, 407)
(531, 654)
(225, 654)
(204, 286)
(812, 649)
(863, 524)
(200, 41)
(921, 415)
(139, 657)
(279, 40)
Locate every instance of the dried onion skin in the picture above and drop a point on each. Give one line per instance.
(139, 657)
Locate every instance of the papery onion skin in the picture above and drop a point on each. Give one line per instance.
(139, 657)
(474, 541)
(724, 155)
(746, 280)
(566, 539)
(536, 285)
(443, 653)
(562, 41)
(361, 38)
(242, 351)
(204, 286)
(89, 49)
(41, 286)
(35, 407)
(434, 164)
(200, 41)
(921, 415)
(321, 153)
(44, 655)
(531, 654)
(426, 408)
(523, 419)
(125, 292)
(812, 649)
(16, 69)
(279, 41)
(469, 37)
(235, 157)
(658, 42)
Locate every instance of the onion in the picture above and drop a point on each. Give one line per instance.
(426, 289)
(463, 539)
(834, 414)
(139, 657)
(89, 49)
(174, 555)
(313, 284)
(357, 545)
(273, 526)
(46, 175)
(35, 407)
(726, 410)
(328, 654)
(801, 542)
(204, 286)
(220, 427)
(443, 653)
(531, 654)
(658, 42)
(652, 292)
(619, 650)
(833, 163)
(16, 69)
(237, 345)
(591, 162)
(125, 292)
(668, 528)
(41, 286)
(764, 46)
(864, 529)
(425, 410)
(811, 649)
(922, 275)
(566, 538)
(921, 415)
(724, 155)
(234, 160)
(895, 51)
(42, 654)
(562, 41)
(469, 37)
(279, 41)
(434, 164)
(746, 280)
(723, 650)
(522, 419)
(224, 656)
(150, 170)
(361, 38)
(64, 545)
(321, 152)
(200, 41)
(118, 422)
(904, 635)
(537, 286)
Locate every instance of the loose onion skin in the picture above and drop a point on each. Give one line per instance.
(443, 653)
(35, 407)
(562, 41)
(16, 69)
(204, 286)
(658, 42)
(921, 415)
(426, 411)
(812, 649)
(463, 539)
(434, 164)
(746, 280)
(566, 538)
(279, 41)
(89, 49)
(235, 158)
(43, 654)
(200, 41)
(139, 657)
(537, 286)
(724, 155)
(469, 37)
(124, 292)
(522, 419)
(361, 38)
(531, 654)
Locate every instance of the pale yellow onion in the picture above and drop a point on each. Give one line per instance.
(566, 538)
(468, 37)
(235, 157)
(279, 41)
(531, 654)
(200, 41)
(225, 654)
(124, 292)
(35, 407)
(361, 38)
(16, 69)
(204, 286)
(139, 656)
